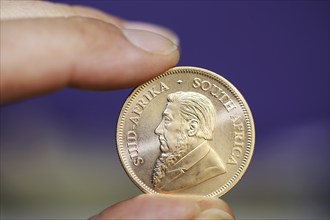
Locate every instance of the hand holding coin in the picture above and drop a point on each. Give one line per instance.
(46, 47)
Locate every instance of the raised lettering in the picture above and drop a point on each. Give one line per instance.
(153, 92)
(196, 83)
(224, 98)
(206, 85)
(239, 137)
(131, 135)
(147, 97)
(135, 120)
(234, 118)
(137, 111)
(215, 91)
(163, 87)
(133, 148)
(142, 103)
(239, 127)
(137, 161)
(229, 105)
(232, 160)
(238, 145)
(238, 152)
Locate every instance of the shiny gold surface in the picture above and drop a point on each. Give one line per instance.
(187, 131)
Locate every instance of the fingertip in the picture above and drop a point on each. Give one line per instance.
(214, 213)
(150, 206)
(214, 208)
(120, 58)
(150, 42)
(169, 34)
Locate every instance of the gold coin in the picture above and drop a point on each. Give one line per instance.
(187, 131)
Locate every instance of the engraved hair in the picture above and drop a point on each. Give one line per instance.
(193, 105)
(167, 159)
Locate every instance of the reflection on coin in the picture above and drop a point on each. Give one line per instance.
(187, 131)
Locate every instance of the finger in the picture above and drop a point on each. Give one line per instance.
(120, 23)
(41, 9)
(168, 207)
(46, 54)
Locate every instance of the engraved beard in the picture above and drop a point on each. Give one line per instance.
(168, 158)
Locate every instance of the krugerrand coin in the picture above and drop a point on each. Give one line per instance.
(187, 131)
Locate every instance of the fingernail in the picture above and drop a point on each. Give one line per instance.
(153, 28)
(150, 41)
(214, 213)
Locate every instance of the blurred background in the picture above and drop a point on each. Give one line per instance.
(58, 152)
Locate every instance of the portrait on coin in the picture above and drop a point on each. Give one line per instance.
(186, 158)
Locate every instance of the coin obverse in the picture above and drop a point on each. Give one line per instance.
(187, 131)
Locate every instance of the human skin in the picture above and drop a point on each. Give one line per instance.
(88, 49)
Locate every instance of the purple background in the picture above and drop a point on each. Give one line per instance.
(58, 152)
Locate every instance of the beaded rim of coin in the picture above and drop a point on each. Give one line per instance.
(225, 83)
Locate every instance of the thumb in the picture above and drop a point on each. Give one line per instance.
(168, 207)
(41, 55)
